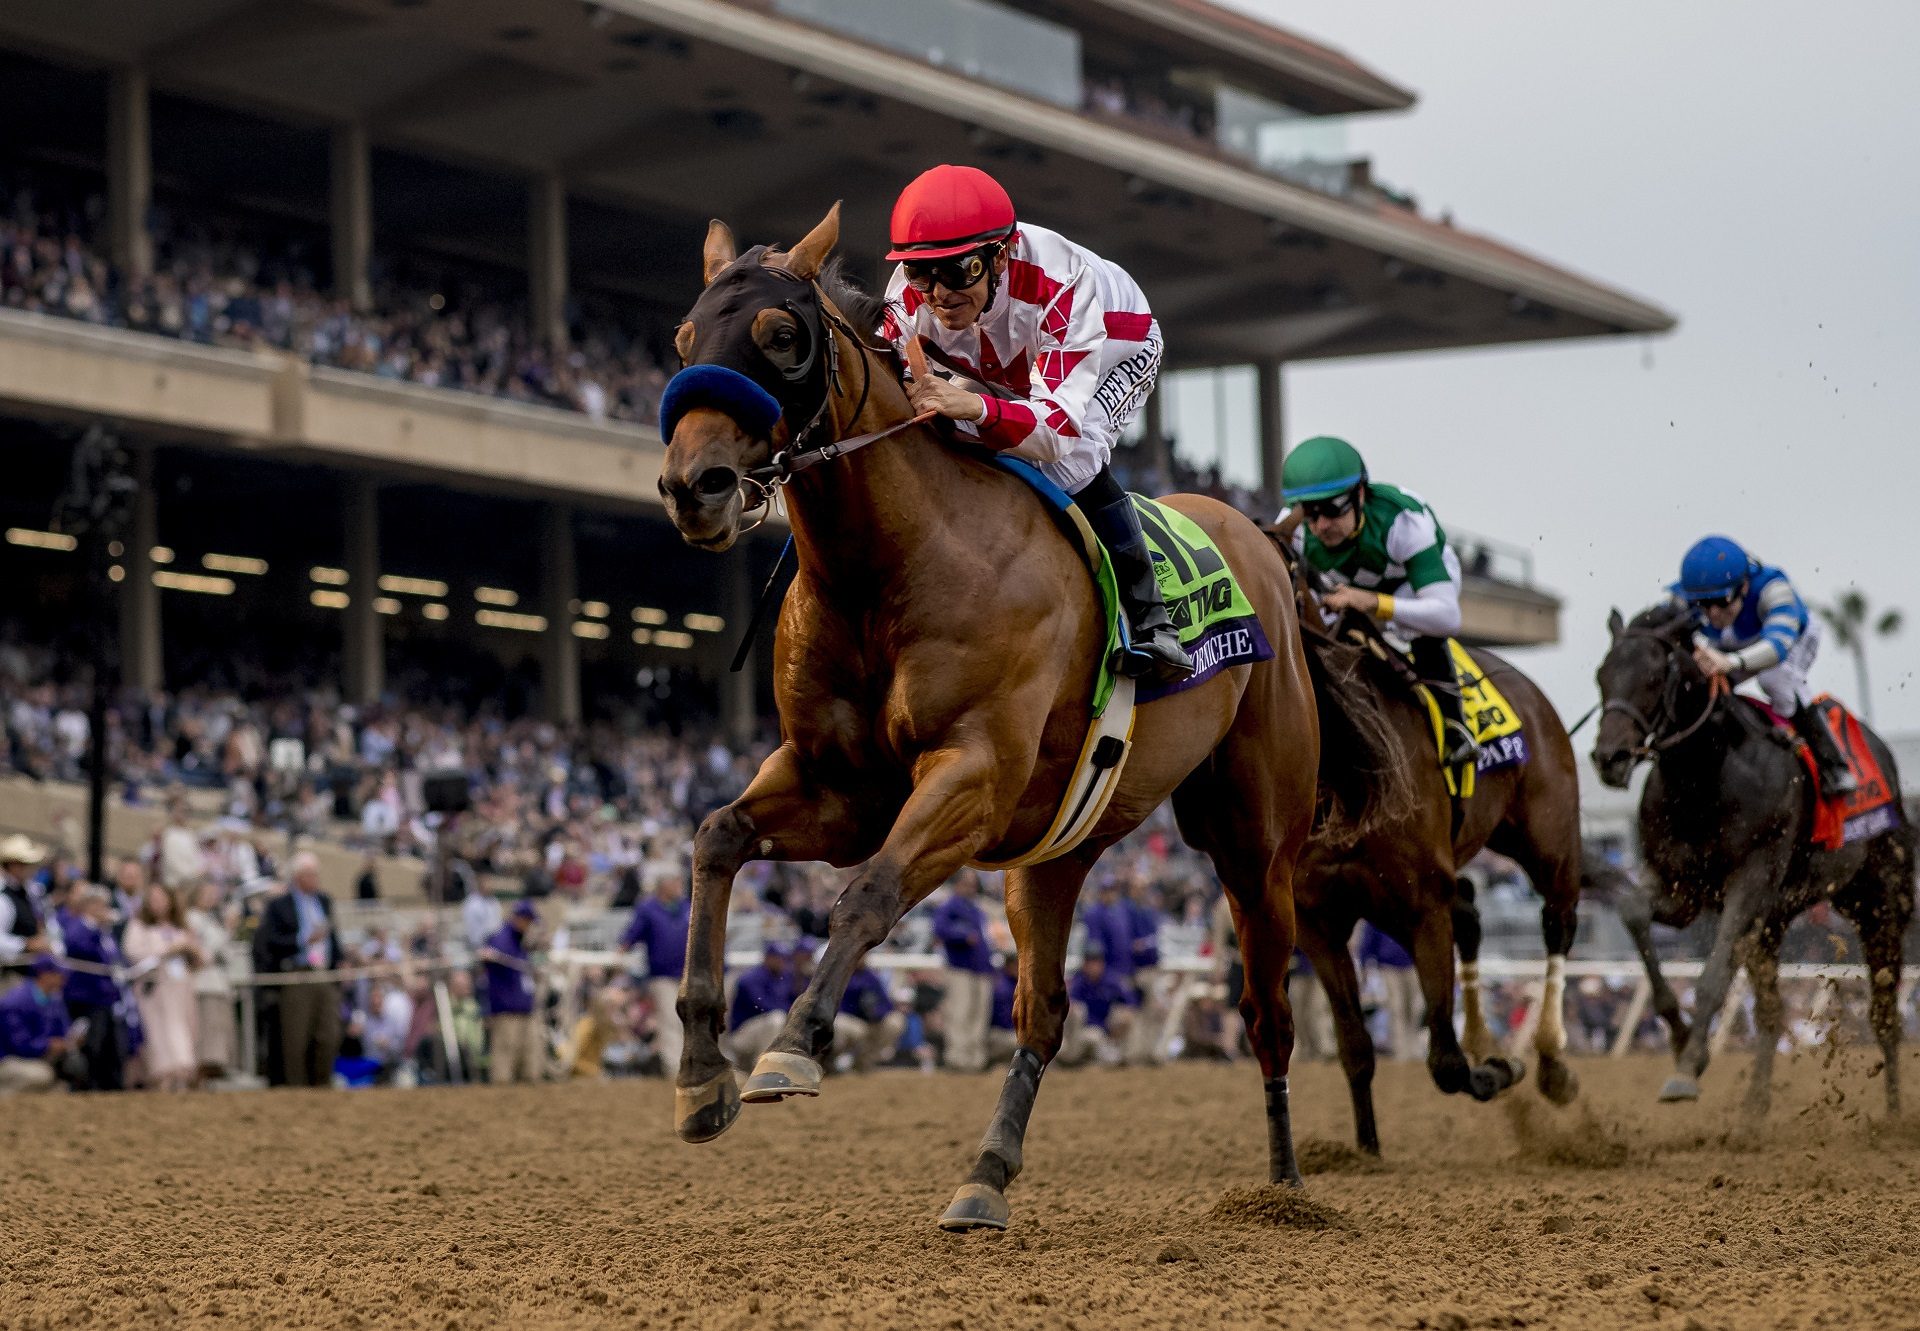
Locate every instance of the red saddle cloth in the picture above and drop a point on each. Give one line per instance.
(1839, 820)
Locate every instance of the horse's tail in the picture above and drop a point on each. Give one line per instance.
(1365, 772)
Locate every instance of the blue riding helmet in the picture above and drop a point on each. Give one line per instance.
(1714, 567)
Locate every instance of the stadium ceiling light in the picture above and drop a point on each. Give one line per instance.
(595, 609)
(162, 554)
(116, 549)
(646, 614)
(495, 596)
(705, 623)
(234, 564)
(506, 619)
(117, 573)
(41, 540)
(669, 638)
(643, 636)
(330, 600)
(586, 628)
(332, 577)
(386, 605)
(412, 586)
(193, 582)
(434, 610)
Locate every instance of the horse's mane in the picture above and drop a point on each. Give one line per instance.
(862, 308)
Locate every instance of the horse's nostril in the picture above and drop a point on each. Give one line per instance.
(717, 481)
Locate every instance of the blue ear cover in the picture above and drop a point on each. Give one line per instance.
(752, 407)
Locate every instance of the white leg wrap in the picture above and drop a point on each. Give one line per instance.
(1550, 1037)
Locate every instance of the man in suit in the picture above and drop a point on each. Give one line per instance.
(297, 935)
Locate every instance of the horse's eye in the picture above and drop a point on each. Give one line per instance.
(783, 340)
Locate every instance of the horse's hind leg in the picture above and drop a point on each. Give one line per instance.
(1326, 951)
(1040, 912)
(1557, 879)
(1433, 961)
(1637, 910)
(1476, 1039)
(1879, 901)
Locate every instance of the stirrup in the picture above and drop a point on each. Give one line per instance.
(1465, 748)
(1837, 781)
(1157, 656)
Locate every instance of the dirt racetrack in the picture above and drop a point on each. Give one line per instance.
(573, 1206)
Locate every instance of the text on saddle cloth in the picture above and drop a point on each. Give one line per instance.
(1495, 724)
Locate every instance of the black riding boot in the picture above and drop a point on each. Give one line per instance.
(1836, 777)
(1157, 653)
(1434, 662)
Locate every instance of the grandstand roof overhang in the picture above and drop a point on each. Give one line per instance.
(677, 110)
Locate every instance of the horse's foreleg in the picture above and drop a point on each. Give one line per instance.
(1446, 1061)
(1636, 909)
(1559, 920)
(1740, 914)
(1762, 960)
(778, 816)
(940, 827)
(1334, 965)
(1040, 912)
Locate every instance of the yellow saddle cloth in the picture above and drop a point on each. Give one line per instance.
(1495, 725)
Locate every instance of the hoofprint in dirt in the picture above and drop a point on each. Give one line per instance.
(572, 1206)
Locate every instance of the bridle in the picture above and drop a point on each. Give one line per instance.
(760, 485)
(1653, 744)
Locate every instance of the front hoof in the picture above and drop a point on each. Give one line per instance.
(1679, 1088)
(1496, 1075)
(703, 1112)
(1557, 1080)
(976, 1206)
(777, 1076)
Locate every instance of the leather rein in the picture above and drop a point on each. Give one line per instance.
(759, 485)
(1653, 744)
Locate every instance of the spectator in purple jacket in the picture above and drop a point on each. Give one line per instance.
(33, 1029)
(1001, 1037)
(1104, 1006)
(92, 994)
(761, 997)
(1387, 962)
(961, 927)
(659, 924)
(1108, 924)
(514, 1039)
(866, 1029)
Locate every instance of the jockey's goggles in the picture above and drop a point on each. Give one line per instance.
(1718, 601)
(955, 274)
(1336, 507)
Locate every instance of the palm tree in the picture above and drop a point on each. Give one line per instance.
(1854, 625)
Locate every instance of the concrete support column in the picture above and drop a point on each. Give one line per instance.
(351, 205)
(737, 689)
(1272, 423)
(140, 659)
(547, 258)
(365, 657)
(1153, 442)
(560, 657)
(129, 171)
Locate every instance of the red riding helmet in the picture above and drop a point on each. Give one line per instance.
(949, 210)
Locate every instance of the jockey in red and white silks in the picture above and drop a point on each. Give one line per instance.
(1065, 339)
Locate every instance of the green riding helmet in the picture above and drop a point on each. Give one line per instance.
(1320, 468)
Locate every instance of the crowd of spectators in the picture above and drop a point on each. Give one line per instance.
(233, 286)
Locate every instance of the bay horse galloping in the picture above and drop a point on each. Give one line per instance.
(932, 667)
(1402, 877)
(1725, 824)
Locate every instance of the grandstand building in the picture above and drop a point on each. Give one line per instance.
(380, 292)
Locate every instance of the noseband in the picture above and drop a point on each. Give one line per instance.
(1653, 743)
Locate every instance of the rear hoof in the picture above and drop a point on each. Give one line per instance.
(703, 1112)
(1679, 1088)
(976, 1206)
(1557, 1080)
(777, 1076)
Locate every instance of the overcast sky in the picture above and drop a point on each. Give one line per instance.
(1751, 165)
